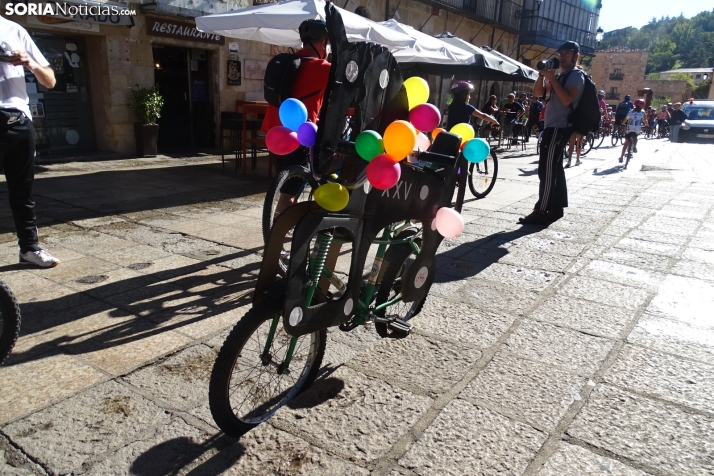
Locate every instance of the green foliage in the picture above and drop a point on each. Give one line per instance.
(702, 90)
(682, 77)
(673, 43)
(654, 76)
(146, 103)
(658, 101)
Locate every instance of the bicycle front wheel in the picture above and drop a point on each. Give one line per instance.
(9, 321)
(295, 183)
(587, 144)
(248, 384)
(599, 138)
(482, 176)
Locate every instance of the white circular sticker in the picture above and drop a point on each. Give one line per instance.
(295, 316)
(424, 192)
(351, 71)
(348, 306)
(421, 276)
(367, 186)
(383, 78)
(72, 137)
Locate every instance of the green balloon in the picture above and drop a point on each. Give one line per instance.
(369, 144)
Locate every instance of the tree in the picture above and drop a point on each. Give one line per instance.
(682, 77)
(702, 90)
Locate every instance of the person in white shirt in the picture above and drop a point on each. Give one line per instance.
(634, 120)
(17, 141)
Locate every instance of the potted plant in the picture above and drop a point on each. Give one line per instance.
(146, 104)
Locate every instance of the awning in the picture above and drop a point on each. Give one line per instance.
(427, 49)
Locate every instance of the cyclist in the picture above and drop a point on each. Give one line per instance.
(460, 110)
(622, 109)
(633, 120)
(662, 119)
(651, 119)
(601, 101)
(309, 86)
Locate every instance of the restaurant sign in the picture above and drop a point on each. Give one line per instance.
(180, 31)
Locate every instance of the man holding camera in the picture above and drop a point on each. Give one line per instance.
(564, 96)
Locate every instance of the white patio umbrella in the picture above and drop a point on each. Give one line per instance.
(426, 48)
(277, 24)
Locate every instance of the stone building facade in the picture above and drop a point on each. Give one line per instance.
(88, 110)
(678, 90)
(619, 71)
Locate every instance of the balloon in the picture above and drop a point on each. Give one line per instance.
(369, 144)
(476, 150)
(383, 172)
(399, 139)
(281, 141)
(465, 131)
(417, 91)
(306, 134)
(422, 142)
(333, 197)
(425, 117)
(436, 132)
(293, 113)
(449, 223)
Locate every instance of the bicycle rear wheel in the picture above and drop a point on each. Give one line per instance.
(9, 321)
(587, 144)
(599, 138)
(248, 384)
(298, 179)
(482, 176)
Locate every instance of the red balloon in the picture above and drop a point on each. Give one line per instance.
(383, 172)
(425, 117)
(281, 141)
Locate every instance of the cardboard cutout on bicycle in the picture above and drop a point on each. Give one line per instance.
(366, 77)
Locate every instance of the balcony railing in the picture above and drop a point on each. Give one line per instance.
(501, 13)
(613, 96)
(617, 76)
(540, 29)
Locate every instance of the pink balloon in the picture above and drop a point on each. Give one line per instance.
(425, 117)
(383, 172)
(281, 141)
(449, 223)
(422, 142)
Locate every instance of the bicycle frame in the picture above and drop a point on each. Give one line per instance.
(316, 270)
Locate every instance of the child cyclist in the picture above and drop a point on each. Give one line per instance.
(460, 110)
(634, 120)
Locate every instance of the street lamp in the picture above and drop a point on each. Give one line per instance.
(529, 13)
(598, 35)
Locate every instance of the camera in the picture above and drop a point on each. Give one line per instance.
(553, 63)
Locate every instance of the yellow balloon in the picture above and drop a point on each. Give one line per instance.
(333, 197)
(465, 131)
(399, 139)
(417, 91)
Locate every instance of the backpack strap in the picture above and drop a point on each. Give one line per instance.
(566, 75)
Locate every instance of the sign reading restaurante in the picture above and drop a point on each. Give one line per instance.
(181, 31)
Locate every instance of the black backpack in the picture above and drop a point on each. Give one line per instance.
(280, 76)
(586, 117)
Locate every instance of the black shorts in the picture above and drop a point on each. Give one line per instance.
(619, 118)
(631, 135)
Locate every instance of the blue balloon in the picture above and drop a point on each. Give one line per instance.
(476, 150)
(293, 113)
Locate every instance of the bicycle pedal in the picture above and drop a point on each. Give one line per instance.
(401, 327)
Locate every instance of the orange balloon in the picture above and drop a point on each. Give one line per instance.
(399, 139)
(436, 132)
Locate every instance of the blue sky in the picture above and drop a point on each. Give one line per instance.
(616, 14)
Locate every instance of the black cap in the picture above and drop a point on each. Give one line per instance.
(570, 45)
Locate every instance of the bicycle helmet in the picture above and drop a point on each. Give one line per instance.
(627, 98)
(312, 30)
(601, 93)
(462, 86)
(639, 102)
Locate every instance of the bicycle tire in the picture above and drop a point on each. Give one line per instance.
(487, 173)
(587, 144)
(599, 138)
(256, 322)
(390, 286)
(295, 172)
(9, 321)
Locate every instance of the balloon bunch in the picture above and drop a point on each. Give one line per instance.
(295, 131)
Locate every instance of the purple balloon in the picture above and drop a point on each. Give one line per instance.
(306, 134)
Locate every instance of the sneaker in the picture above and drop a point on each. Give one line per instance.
(578, 162)
(39, 258)
(535, 218)
(620, 159)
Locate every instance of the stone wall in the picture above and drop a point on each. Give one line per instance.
(632, 64)
(678, 90)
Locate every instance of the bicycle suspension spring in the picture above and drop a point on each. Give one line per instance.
(318, 256)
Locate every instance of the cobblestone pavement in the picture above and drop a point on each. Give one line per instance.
(582, 348)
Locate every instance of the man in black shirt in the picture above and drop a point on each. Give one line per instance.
(533, 115)
(513, 111)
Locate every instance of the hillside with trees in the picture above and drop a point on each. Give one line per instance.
(673, 43)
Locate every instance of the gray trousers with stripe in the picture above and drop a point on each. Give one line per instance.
(553, 192)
